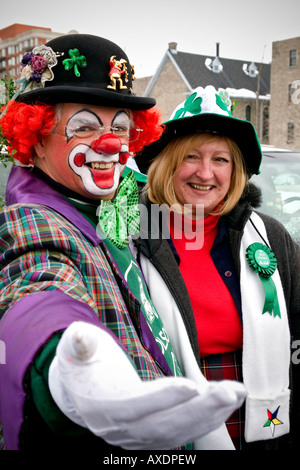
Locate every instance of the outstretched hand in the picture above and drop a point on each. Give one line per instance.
(96, 385)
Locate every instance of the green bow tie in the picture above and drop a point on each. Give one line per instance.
(121, 217)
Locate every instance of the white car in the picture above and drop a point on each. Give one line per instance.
(279, 181)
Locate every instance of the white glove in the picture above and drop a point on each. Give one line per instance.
(96, 385)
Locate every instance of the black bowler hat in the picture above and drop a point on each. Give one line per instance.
(80, 68)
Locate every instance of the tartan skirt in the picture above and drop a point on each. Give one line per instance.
(228, 367)
(2, 445)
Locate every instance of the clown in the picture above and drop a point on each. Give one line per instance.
(90, 364)
(93, 149)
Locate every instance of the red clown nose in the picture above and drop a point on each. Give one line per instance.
(108, 144)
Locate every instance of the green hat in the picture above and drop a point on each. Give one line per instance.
(206, 111)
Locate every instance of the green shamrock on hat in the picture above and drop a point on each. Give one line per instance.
(75, 61)
(191, 105)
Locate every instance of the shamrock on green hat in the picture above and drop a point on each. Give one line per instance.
(202, 100)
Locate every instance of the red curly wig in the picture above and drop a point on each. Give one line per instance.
(24, 124)
(149, 121)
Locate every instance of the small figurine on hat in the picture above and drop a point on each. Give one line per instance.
(90, 363)
(117, 70)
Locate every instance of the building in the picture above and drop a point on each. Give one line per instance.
(247, 84)
(15, 41)
(268, 95)
(285, 103)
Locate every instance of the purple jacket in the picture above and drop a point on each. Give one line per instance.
(37, 224)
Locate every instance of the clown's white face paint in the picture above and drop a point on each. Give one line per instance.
(82, 155)
(101, 164)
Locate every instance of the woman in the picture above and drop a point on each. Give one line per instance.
(232, 274)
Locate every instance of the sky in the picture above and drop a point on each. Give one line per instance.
(245, 30)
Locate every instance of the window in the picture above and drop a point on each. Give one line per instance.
(290, 133)
(11, 61)
(252, 70)
(248, 112)
(10, 50)
(293, 57)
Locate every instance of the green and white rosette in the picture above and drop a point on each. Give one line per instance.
(262, 260)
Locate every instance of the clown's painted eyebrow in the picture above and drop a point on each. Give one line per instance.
(81, 118)
(86, 117)
(124, 118)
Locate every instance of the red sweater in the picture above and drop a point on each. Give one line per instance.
(217, 320)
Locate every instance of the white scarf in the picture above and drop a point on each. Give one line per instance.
(266, 346)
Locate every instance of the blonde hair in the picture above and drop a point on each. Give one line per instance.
(160, 184)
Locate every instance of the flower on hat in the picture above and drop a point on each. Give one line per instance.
(36, 68)
(39, 63)
(225, 98)
(26, 58)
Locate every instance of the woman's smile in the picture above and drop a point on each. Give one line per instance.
(201, 187)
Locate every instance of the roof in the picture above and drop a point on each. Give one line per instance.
(196, 70)
(18, 28)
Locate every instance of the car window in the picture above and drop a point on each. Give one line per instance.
(279, 181)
